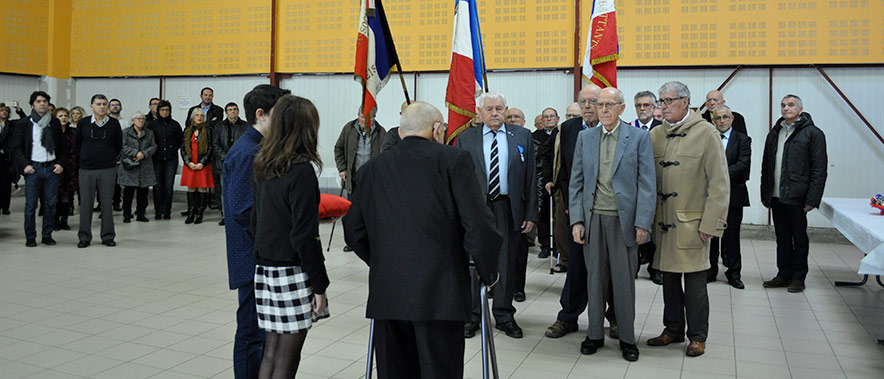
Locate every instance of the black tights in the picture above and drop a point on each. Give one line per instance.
(282, 355)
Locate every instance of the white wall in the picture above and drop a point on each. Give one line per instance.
(18, 88)
(185, 92)
(133, 93)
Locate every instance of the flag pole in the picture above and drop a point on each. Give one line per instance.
(402, 79)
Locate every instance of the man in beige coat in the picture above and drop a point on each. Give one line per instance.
(693, 191)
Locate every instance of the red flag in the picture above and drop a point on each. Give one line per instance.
(602, 47)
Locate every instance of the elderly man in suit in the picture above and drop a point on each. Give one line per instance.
(419, 279)
(503, 157)
(738, 151)
(612, 208)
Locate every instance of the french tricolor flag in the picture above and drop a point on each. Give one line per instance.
(375, 55)
(467, 68)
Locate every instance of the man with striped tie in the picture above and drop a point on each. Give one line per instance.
(503, 155)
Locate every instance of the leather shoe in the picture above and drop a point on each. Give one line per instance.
(470, 329)
(544, 253)
(776, 282)
(5, 211)
(109, 243)
(519, 297)
(797, 286)
(48, 241)
(630, 351)
(221, 223)
(663, 340)
(510, 328)
(560, 328)
(696, 349)
(31, 242)
(83, 244)
(736, 283)
(657, 278)
(589, 346)
(348, 249)
(141, 219)
(167, 216)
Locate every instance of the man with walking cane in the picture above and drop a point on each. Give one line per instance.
(419, 250)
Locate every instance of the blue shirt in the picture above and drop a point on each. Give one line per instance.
(503, 156)
(726, 136)
(237, 179)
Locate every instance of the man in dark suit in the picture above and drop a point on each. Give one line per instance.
(549, 119)
(714, 99)
(738, 151)
(645, 104)
(418, 251)
(214, 113)
(503, 158)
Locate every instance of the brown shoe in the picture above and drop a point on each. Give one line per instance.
(696, 349)
(663, 340)
(560, 328)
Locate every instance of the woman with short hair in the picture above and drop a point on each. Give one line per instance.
(136, 167)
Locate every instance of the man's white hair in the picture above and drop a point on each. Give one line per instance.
(490, 95)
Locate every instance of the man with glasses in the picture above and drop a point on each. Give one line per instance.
(714, 99)
(98, 142)
(612, 208)
(645, 103)
(152, 113)
(572, 111)
(738, 151)
(693, 195)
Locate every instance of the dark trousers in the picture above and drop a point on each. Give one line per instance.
(502, 306)
(574, 296)
(729, 247)
(217, 167)
(43, 185)
(162, 191)
(5, 185)
(248, 345)
(690, 304)
(141, 204)
(544, 233)
(646, 252)
(793, 247)
(419, 349)
(118, 195)
(521, 263)
(562, 229)
(103, 182)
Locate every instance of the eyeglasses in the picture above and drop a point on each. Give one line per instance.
(721, 118)
(571, 115)
(668, 101)
(644, 105)
(549, 117)
(607, 105)
(583, 102)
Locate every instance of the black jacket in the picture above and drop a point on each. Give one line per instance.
(739, 123)
(739, 155)
(225, 134)
(216, 115)
(804, 164)
(23, 141)
(417, 225)
(391, 139)
(5, 139)
(567, 141)
(168, 134)
(285, 223)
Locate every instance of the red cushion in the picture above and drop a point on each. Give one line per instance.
(331, 206)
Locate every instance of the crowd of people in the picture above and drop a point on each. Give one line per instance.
(600, 194)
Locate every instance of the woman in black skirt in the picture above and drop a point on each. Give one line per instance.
(290, 276)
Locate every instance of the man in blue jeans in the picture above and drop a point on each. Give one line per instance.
(34, 143)
(248, 345)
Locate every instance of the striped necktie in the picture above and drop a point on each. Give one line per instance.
(494, 172)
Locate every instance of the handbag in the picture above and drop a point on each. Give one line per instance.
(129, 163)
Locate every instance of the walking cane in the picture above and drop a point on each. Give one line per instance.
(488, 350)
(330, 236)
(370, 351)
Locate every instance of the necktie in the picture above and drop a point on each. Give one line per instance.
(722, 135)
(494, 172)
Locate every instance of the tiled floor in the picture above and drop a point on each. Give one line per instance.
(157, 305)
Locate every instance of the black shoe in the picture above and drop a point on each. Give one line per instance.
(118, 208)
(31, 242)
(657, 278)
(221, 222)
(185, 213)
(348, 249)
(109, 243)
(63, 226)
(519, 297)
(83, 244)
(797, 286)
(630, 352)
(5, 211)
(141, 218)
(158, 216)
(736, 283)
(589, 346)
(127, 219)
(470, 329)
(776, 282)
(510, 328)
(200, 207)
(167, 216)
(544, 253)
(48, 241)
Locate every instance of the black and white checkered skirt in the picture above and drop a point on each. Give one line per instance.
(284, 299)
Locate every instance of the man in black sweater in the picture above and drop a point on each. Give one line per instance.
(98, 142)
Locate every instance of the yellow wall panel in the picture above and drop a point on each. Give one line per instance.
(25, 36)
(170, 37)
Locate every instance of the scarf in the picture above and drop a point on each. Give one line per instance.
(46, 138)
(203, 139)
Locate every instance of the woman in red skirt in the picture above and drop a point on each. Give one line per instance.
(196, 174)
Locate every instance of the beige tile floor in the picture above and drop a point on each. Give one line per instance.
(157, 305)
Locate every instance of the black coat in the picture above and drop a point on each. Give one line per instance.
(804, 166)
(739, 123)
(168, 134)
(5, 146)
(215, 115)
(739, 155)
(23, 142)
(417, 218)
(391, 139)
(569, 130)
(225, 134)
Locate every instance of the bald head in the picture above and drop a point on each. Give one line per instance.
(587, 99)
(418, 119)
(713, 99)
(573, 111)
(515, 116)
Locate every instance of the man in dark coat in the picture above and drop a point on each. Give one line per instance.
(793, 176)
(418, 251)
(214, 113)
(225, 134)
